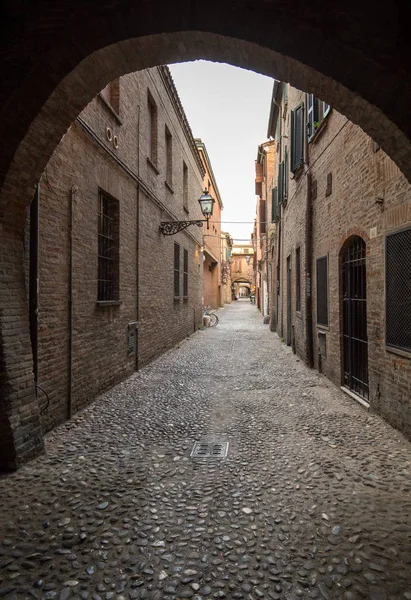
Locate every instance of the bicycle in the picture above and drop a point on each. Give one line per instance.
(212, 315)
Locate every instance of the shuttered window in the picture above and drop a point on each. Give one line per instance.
(311, 115)
(274, 204)
(262, 217)
(297, 138)
(322, 290)
(285, 175)
(281, 182)
(398, 290)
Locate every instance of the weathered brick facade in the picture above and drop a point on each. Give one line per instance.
(345, 189)
(105, 150)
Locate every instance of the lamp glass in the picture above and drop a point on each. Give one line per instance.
(207, 204)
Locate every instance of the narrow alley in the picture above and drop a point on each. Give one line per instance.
(312, 501)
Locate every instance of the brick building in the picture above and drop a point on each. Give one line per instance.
(212, 236)
(340, 253)
(265, 168)
(226, 250)
(113, 291)
(242, 272)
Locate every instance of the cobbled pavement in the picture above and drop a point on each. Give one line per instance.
(312, 501)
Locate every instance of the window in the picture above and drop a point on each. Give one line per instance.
(297, 138)
(176, 270)
(322, 290)
(185, 274)
(262, 212)
(283, 178)
(185, 187)
(274, 205)
(298, 279)
(152, 130)
(111, 94)
(108, 249)
(169, 156)
(398, 290)
(317, 110)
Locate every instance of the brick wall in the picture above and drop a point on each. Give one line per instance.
(108, 151)
(356, 190)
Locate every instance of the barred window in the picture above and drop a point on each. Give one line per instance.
(398, 290)
(108, 249)
(169, 156)
(185, 274)
(176, 270)
(322, 290)
(297, 138)
(152, 129)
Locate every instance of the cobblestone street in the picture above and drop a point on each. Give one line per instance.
(312, 501)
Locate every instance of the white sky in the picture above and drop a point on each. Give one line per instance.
(228, 108)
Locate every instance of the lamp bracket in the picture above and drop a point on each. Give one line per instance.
(173, 227)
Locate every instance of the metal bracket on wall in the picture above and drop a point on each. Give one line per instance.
(173, 227)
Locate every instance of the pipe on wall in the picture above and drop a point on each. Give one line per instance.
(308, 272)
(73, 192)
(34, 279)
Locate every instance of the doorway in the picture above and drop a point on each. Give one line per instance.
(355, 341)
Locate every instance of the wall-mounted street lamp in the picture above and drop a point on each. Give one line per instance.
(248, 258)
(206, 204)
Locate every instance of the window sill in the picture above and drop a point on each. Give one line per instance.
(103, 303)
(185, 299)
(323, 327)
(110, 109)
(398, 352)
(169, 187)
(318, 131)
(152, 165)
(177, 299)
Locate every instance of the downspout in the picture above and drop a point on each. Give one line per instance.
(138, 239)
(70, 307)
(34, 280)
(308, 268)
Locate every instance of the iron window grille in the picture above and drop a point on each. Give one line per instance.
(298, 279)
(398, 290)
(185, 274)
(176, 270)
(322, 291)
(108, 249)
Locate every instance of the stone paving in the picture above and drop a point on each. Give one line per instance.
(312, 501)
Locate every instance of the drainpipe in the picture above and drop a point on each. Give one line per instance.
(308, 271)
(138, 238)
(34, 279)
(70, 307)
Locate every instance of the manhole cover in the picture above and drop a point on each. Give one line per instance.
(209, 450)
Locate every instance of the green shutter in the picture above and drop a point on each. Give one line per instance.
(285, 169)
(274, 205)
(280, 183)
(297, 138)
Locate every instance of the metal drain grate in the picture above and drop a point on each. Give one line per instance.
(209, 450)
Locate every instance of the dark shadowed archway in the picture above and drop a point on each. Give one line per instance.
(57, 56)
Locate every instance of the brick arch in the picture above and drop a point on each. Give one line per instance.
(351, 233)
(57, 55)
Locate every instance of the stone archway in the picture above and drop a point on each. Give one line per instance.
(57, 56)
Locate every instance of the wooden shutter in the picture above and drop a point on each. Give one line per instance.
(259, 172)
(281, 182)
(274, 205)
(262, 217)
(297, 138)
(258, 188)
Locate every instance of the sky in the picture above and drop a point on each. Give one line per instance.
(228, 108)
